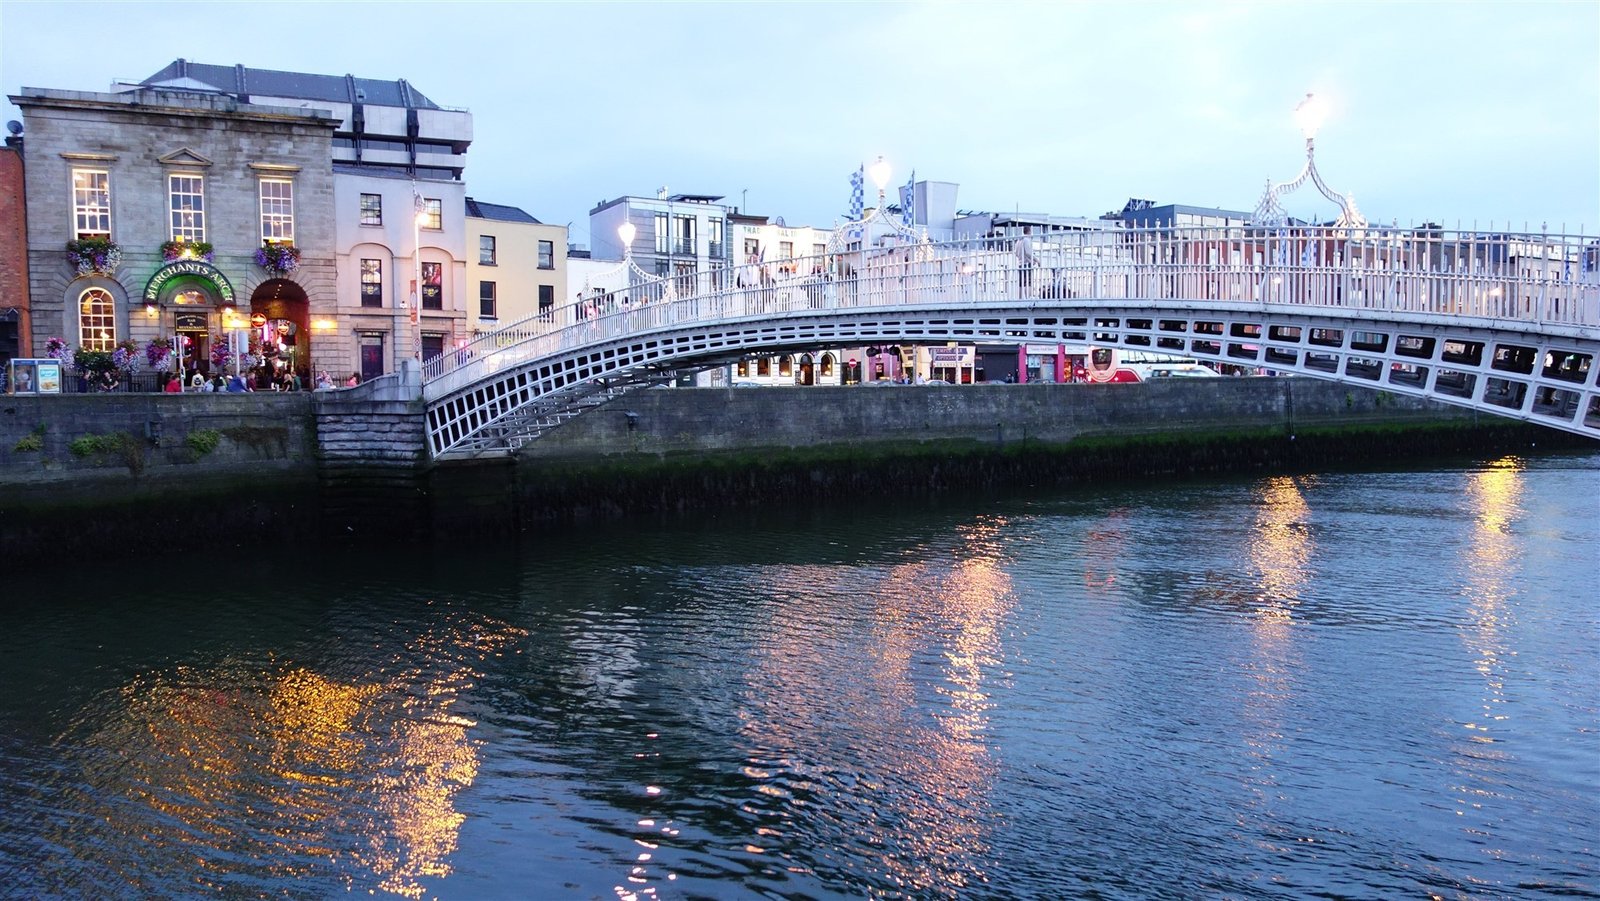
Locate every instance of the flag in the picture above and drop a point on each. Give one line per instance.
(908, 197)
(858, 198)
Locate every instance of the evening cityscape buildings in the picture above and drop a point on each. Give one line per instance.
(321, 223)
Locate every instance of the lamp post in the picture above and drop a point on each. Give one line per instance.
(416, 284)
(626, 233)
(879, 172)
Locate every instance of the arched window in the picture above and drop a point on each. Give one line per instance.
(786, 366)
(827, 365)
(744, 368)
(97, 320)
(763, 367)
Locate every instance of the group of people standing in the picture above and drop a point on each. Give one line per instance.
(287, 380)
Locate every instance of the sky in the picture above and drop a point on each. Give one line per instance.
(1471, 113)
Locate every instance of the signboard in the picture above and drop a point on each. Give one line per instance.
(189, 322)
(948, 356)
(258, 320)
(33, 376)
(152, 288)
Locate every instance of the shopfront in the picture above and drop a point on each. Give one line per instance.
(194, 302)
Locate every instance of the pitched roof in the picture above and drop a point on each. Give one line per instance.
(242, 80)
(477, 209)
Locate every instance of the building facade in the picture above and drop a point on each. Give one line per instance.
(14, 319)
(398, 217)
(191, 217)
(518, 268)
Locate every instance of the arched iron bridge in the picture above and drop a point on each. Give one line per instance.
(1508, 324)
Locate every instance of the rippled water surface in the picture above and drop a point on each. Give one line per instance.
(1356, 685)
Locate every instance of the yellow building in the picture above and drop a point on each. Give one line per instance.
(516, 265)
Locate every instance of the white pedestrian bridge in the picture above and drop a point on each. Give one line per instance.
(1508, 324)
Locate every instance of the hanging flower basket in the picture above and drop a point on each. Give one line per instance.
(171, 251)
(158, 353)
(278, 259)
(94, 256)
(59, 349)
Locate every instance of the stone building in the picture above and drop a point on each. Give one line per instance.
(398, 211)
(172, 199)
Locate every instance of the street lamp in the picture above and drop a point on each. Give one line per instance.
(879, 173)
(1309, 115)
(626, 232)
(416, 285)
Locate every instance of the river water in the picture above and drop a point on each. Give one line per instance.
(1372, 684)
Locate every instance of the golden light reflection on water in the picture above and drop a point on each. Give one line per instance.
(1281, 549)
(835, 715)
(1492, 569)
(301, 773)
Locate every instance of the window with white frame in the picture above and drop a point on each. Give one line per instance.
(186, 198)
(663, 235)
(432, 213)
(486, 250)
(91, 203)
(547, 255)
(371, 209)
(277, 210)
(97, 320)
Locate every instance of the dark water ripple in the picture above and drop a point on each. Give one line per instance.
(1349, 685)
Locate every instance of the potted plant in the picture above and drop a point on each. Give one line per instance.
(179, 249)
(92, 256)
(278, 258)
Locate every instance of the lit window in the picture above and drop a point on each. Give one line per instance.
(371, 209)
(187, 200)
(432, 213)
(97, 320)
(277, 210)
(433, 286)
(372, 283)
(91, 203)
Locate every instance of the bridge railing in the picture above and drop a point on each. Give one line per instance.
(1534, 279)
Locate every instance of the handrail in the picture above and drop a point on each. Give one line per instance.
(1537, 279)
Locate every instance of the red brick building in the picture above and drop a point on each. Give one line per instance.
(15, 339)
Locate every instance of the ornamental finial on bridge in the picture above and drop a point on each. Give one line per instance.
(1309, 114)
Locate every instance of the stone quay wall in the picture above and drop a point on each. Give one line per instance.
(130, 472)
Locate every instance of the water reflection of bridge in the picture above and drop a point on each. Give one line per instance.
(1505, 323)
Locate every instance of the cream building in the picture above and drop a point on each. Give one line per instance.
(516, 265)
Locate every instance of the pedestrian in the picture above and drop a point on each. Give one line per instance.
(353, 380)
(174, 384)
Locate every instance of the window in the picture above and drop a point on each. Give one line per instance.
(547, 255)
(818, 250)
(486, 250)
(684, 229)
(752, 250)
(277, 210)
(547, 297)
(91, 203)
(97, 320)
(785, 250)
(663, 235)
(432, 213)
(433, 286)
(187, 201)
(486, 308)
(371, 209)
(372, 283)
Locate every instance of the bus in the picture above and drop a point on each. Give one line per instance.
(1116, 364)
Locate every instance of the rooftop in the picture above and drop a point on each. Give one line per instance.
(477, 209)
(243, 81)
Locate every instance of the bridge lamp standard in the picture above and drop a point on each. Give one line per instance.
(879, 173)
(626, 233)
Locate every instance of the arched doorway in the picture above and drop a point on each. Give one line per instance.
(280, 324)
(806, 376)
(195, 294)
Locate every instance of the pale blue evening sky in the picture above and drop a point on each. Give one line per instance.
(1450, 111)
